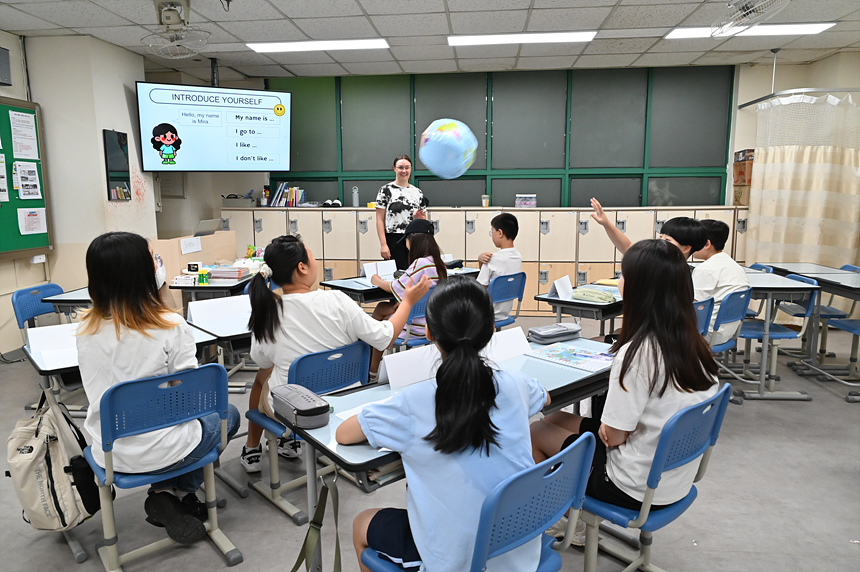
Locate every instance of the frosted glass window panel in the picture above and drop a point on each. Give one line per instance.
(454, 193)
(683, 191)
(313, 131)
(611, 193)
(607, 118)
(528, 119)
(690, 116)
(367, 190)
(375, 121)
(455, 96)
(505, 191)
(320, 191)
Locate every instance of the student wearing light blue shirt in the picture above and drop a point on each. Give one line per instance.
(459, 436)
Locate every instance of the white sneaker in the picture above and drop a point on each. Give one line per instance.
(250, 459)
(288, 448)
(557, 531)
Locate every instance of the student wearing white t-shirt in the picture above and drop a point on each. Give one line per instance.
(458, 435)
(301, 320)
(717, 277)
(507, 260)
(131, 334)
(662, 365)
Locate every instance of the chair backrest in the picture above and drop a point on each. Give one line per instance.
(28, 304)
(733, 308)
(507, 287)
(272, 286)
(850, 268)
(330, 370)
(143, 405)
(688, 434)
(419, 309)
(764, 267)
(524, 505)
(704, 309)
(812, 296)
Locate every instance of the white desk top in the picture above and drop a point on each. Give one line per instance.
(763, 281)
(79, 295)
(849, 280)
(806, 268)
(222, 317)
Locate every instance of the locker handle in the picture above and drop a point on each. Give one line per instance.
(621, 225)
(470, 226)
(544, 226)
(435, 224)
(225, 224)
(294, 226)
(659, 226)
(583, 226)
(362, 226)
(258, 225)
(328, 274)
(581, 277)
(326, 225)
(543, 276)
(617, 274)
(741, 225)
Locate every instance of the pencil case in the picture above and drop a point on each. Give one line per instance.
(298, 407)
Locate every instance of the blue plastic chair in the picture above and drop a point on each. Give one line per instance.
(27, 304)
(419, 309)
(763, 268)
(321, 372)
(853, 328)
(143, 405)
(522, 506)
(506, 288)
(689, 435)
(733, 308)
(272, 286)
(704, 309)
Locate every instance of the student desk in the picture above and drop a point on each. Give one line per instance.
(803, 268)
(215, 288)
(585, 309)
(565, 385)
(358, 289)
(227, 320)
(68, 302)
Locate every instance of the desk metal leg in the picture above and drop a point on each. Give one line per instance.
(311, 472)
(558, 314)
(602, 328)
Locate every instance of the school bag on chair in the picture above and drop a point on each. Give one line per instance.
(54, 483)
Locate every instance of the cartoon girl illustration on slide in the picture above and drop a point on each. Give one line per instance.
(166, 141)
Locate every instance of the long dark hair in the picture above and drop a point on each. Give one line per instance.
(460, 319)
(121, 282)
(658, 308)
(282, 255)
(423, 244)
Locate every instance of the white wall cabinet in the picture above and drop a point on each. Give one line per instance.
(450, 231)
(558, 233)
(594, 243)
(308, 224)
(242, 223)
(368, 241)
(478, 230)
(268, 225)
(340, 230)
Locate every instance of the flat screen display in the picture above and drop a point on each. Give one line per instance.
(190, 128)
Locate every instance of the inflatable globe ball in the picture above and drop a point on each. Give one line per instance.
(447, 148)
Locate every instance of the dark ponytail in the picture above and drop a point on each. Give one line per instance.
(460, 319)
(282, 256)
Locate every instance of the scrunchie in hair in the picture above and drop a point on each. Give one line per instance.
(265, 271)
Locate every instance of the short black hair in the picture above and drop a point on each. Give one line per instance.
(687, 232)
(718, 232)
(507, 223)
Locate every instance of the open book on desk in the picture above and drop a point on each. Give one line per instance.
(579, 358)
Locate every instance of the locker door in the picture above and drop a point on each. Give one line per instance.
(590, 271)
(528, 237)
(340, 228)
(549, 272)
(663, 216)
(478, 230)
(339, 269)
(728, 217)
(269, 224)
(594, 245)
(529, 302)
(741, 227)
(242, 223)
(558, 236)
(368, 240)
(308, 224)
(450, 232)
(637, 225)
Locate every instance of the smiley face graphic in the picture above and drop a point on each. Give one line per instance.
(280, 110)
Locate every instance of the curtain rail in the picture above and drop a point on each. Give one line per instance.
(799, 90)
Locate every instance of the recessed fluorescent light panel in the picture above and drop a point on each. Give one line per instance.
(320, 46)
(550, 38)
(761, 30)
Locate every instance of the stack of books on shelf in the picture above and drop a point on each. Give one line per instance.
(285, 196)
(229, 273)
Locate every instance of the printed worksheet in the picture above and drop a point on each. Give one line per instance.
(24, 143)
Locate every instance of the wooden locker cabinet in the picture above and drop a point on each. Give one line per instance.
(594, 245)
(339, 269)
(477, 230)
(663, 216)
(549, 272)
(340, 230)
(637, 225)
(450, 231)
(369, 249)
(527, 242)
(728, 217)
(741, 228)
(308, 224)
(558, 233)
(531, 290)
(268, 225)
(242, 223)
(592, 271)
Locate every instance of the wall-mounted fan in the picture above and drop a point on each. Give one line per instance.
(175, 39)
(741, 15)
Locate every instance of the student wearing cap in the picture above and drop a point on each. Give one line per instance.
(425, 259)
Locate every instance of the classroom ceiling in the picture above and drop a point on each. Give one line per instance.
(630, 33)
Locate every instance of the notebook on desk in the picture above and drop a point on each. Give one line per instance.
(574, 357)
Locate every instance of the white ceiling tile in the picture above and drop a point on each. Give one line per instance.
(484, 52)
(133, 10)
(373, 68)
(545, 63)
(150, 65)
(219, 34)
(14, 19)
(567, 19)
(430, 66)
(264, 31)
(349, 56)
(852, 17)
(502, 22)
(486, 5)
(317, 8)
(412, 25)
(316, 69)
(239, 10)
(226, 74)
(731, 58)
(264, 71)
(752, 43)
(422, 52)
(673, 59)
(826, 39)
(687, 45)
(248, 57)
(298, 58)
(800, 56)
(229, 47)
(120, 35)
(649, 16)
(529, 50)
(375, 7)
(419, 41)
(633, 33)
(651, 2)
(815, 11)
(490, 64)
(73, 14)
(705, 15)
(29, 1)
(613, 61)
(344, 28)
(622, 46)
(572, 3)
(44, 33)
(846, 26)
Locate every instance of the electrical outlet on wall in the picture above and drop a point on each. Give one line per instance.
(38, 259)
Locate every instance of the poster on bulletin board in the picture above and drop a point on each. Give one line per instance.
(25, 214)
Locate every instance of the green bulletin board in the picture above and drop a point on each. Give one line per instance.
(12, 243)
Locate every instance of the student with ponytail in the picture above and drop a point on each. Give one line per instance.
(458, 436)
(299, 319)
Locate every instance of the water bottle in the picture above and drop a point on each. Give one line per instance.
(355, 197)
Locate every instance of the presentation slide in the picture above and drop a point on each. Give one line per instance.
(187, 128)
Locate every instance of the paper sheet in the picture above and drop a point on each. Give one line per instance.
(59, 359)
(32, 221)
(383, 268)
(24, 143)
(28, 180)
(356, 410)
(4, 184)
(48, 338)
(562, 288)
(189, 245)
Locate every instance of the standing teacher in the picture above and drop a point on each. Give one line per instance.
(397, 204)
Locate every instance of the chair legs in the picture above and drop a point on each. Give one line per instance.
(231, 553)
(640, 561)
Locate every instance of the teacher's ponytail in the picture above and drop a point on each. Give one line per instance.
(281, 258)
